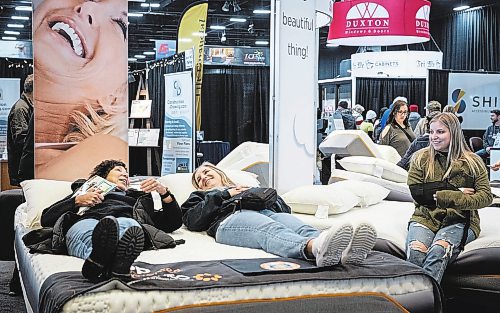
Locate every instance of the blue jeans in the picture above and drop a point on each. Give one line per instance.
(79, 236)
(277, 233)
(435, 260)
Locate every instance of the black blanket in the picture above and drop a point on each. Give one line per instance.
(61, 287)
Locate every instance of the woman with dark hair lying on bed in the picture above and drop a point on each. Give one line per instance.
(449, 183)
(213, 208)
(108, 231)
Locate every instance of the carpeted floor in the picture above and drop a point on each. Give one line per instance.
(9, 304)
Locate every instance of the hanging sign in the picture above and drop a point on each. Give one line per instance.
(379, 22)
(178, 128)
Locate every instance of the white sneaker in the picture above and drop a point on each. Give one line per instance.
(362, 243)
(330, 244)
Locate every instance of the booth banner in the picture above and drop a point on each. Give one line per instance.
(191, 35)
(392, 64)
(9, 94)
(16, 49)
(165, 48)
(178, 130)
(379, 22)
(474, 95)
(293, 90)
(80, 86)
(236, 56)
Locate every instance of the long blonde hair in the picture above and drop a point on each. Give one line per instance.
(457, 150)
(226, 181)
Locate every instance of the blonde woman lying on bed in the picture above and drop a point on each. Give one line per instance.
(273, 229)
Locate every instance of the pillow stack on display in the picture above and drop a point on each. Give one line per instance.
(335, 198)
(375, 167)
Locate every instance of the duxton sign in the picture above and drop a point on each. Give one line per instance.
(395, 63)
(379, 22)
(474, 95)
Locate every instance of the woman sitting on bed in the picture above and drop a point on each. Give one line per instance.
(107, 231)
(449, 183)
(273, 229)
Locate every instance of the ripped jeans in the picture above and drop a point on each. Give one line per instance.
(435, 258)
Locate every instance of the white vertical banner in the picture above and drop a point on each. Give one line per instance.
(178, 130)
(474, 95)
(9, 94)
(293, 87)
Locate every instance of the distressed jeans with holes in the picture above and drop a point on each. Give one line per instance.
(278, 233)
(437, 257)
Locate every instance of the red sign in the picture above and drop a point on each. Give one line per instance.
(379, 22)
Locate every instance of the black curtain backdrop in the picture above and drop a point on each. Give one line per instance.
(20, 71)
(156, 88)
(235, 104)
(438, 86)
(375, 93)
(470, 39)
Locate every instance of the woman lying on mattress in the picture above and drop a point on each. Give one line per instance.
(214, 208)
(107, 231)
(449, 183)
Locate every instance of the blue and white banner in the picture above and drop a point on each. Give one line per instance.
(178, 131)
(165, 48)
(474, 95)
(9, 94)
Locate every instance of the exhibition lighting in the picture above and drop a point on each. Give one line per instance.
(9, 38)
(135, 14)
(217, 27)
(460, 8)
(331, 45)
(23, 8)
(139, 56)
(132, 59)
(148, 53)
(225, 7)
(185, 40)
(22, 18)
(11, 32)
(261, 42)
(236, 7)
(154, 5)
(261, 11)
(238, 19)
(145, 5)
(15, 25)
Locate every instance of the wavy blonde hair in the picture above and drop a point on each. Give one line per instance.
(457, 150)
(226, 181)
(101, 117)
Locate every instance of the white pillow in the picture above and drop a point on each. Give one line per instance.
(375, 167)
(389, 153)
(398, 191)
(368, 193)
(181, 187)
(307, 199)
(40, 194)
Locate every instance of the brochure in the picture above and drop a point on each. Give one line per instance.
(99, 183)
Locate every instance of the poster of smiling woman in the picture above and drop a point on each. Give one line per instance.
(80, 85)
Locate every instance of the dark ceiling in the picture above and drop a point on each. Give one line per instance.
(161, 22)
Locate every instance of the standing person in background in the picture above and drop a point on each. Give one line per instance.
(449, 183)
(490, 134)
(357, 112)
(414, 116)
(432, 106)
(385, 117)
(398, 133)
(17, 129)
(377, 128)
(367, 125)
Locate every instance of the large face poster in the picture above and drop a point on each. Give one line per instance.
(80, 85)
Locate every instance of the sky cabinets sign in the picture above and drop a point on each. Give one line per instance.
(395, 63)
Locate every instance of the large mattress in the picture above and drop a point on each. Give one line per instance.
(414, 293)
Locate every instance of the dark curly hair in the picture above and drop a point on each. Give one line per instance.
(103, 168)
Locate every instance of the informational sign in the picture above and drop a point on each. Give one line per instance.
(395, 63)
(293, 88)
(474, 95)
(16, 49)
(140, 109)
(148, 137)
(9, 94)
(379, 22)
(236, 56)
(165, 48)
(178, 130)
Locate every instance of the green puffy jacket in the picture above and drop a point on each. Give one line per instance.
(451, 205)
